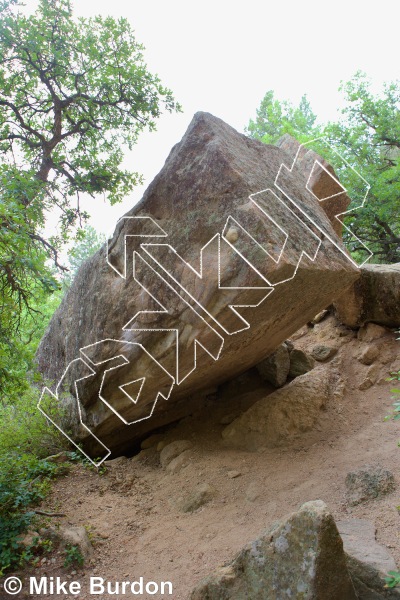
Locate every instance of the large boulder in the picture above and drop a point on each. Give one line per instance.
(300, 557)
(374, 298)
(199, 283)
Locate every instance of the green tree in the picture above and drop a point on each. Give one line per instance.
(74, 93)
(275, 117)
(367, 136)
(88, 243)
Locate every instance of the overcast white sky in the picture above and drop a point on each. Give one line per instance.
(222, 57)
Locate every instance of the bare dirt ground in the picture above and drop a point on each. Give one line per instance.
(133, 510)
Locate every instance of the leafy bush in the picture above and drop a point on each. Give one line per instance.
(24, 482)
(73, 556)
(393, 579)
(24, 429)
(26, 438)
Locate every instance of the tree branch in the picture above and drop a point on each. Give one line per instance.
(35, 236)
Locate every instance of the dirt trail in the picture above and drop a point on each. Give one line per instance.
(133, 509)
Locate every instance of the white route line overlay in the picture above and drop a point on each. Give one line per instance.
(147, 247)
(368, 187)
(199, 274)
(129, 235)
(165, 311)
(55, 395)
(126, 362)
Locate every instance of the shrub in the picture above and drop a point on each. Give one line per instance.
(24, 482)
(26, 438)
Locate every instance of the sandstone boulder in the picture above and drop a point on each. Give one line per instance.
(371, 331)
(228, 254)
(300, 557)
(172, 450)
(374, 298)
(284, 414)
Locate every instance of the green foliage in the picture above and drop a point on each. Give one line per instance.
(395, 416)
(74, 93)
(18, 346)
(23, 483)
(73, 556)
(396, 404)
(26, 438)
(393, 579)
(25, 280)
(25, 430)
(89, 241)
(275, 118)
(367, 136)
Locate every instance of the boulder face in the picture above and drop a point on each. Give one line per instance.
(301, 557)
(321, 179)
(227, 254)
(374, 298)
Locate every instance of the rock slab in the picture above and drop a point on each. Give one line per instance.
(284, 414)
(300, 557)
(367, 561)
(368, 482)
(275, 369)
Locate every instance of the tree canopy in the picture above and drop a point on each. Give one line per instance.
(367, 136)
(274, 118)
(74, 94)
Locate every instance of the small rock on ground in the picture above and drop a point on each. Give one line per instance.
(300, 363)
(199, 497)
(368, 482)
(172, 450)
(368, 355)
(322, 353)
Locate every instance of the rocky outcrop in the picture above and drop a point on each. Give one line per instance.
(227, 254)
(300, 557)
(284, 414)
(374, 298)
